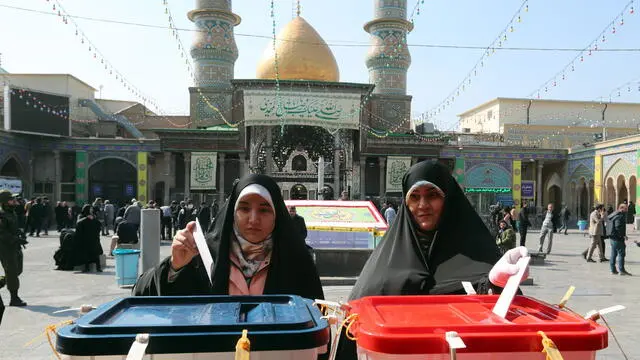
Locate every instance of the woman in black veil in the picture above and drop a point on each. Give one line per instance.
(436, 242)
(250, 257)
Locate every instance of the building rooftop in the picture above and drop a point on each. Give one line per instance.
(540, 101)
(53, 75)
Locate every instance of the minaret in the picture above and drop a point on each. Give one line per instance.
(389, 59)
(214, 52)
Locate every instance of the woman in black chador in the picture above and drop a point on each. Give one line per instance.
(436, 242)
(87, 238)
(253, 247)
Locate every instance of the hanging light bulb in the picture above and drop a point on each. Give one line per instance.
(613, 30)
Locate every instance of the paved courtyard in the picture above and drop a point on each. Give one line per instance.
(47, 291)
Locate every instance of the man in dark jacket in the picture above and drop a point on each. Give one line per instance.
(618, 235)
(11, 243)
(204, 215)
(524, 224)
(564, 219)
(299, 226)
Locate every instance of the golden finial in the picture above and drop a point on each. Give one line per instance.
(298, 8)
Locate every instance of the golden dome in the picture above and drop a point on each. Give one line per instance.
(302, 55)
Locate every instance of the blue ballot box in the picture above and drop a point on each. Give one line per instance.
(195, 327)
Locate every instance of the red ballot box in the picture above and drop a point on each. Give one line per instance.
(415, 327)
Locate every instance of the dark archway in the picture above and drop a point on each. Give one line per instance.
(299, 163)
(584, 203)
(299, 192)
(11, 168)
(555, 196)
(159, 193)
(114, 180)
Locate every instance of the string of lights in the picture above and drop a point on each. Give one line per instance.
(630, 86)
(98, 55)
(462, 86)
(562, 75)
(334, 43)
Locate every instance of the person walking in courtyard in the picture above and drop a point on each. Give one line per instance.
(506, 239)
(389, 213)
(547, 229)
(88, 238)
(524, 223)
(618, 221)
(564, 219)
(631, 213)
(596, 232)
(109, 216)
(11, 256)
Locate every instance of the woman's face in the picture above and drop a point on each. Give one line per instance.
(254, 218)
(425, 204)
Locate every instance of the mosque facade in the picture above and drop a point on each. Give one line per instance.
(297, 122)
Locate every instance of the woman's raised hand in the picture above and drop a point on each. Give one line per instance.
(183, 248)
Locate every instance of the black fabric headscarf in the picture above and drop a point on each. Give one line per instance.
(291, 269)
(462, 250)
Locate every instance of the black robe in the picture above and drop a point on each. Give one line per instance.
(87, 239)
(462, 250)
(291, 270)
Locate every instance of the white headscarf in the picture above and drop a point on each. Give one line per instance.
(420, 184)
(250, 255)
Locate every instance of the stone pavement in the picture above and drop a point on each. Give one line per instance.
(47, 290)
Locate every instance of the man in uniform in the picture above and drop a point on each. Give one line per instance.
(11, 242)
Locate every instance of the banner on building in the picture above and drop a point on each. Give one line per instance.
(516, 187)
(333, 110)
(142, 177)
(528, 189)
(13, 185)
(396, 168)
(203, 170)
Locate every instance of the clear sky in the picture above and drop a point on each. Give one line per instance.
(149, 57)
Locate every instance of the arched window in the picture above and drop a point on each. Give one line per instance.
(299, 163)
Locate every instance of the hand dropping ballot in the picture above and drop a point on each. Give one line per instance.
(203, 248)
(509, 292)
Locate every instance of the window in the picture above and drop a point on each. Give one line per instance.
(490, 114)
(68, 161)
(299, 163)
(43, 188)
(68, 192)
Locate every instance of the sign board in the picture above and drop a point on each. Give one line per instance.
(504, 199)
(340, 224)
(203, 170)
(528, 189)
(333, 110)
(396, 168)
(13, 185)
(35, 112)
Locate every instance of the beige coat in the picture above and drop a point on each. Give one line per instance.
(596, 227)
